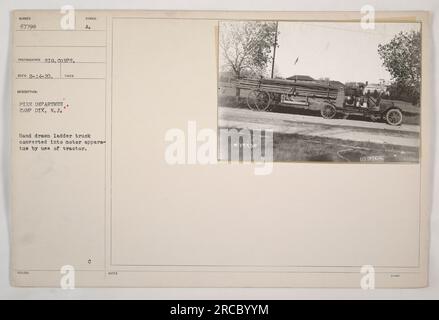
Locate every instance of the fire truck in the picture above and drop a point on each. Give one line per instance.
(331, 100)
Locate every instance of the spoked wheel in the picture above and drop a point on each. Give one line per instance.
(258, 100)
(328, 111)
(393, 117)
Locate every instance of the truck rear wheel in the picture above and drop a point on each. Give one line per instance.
(328, 111)
(393, 117)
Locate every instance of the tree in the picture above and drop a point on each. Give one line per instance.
(246, 47)
(402, 58)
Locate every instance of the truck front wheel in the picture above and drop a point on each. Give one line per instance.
(328, 111)
(393, 117)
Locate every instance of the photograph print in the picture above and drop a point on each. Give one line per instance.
(319, 91)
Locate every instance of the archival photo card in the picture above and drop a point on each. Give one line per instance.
(114, 149)
(319, 91)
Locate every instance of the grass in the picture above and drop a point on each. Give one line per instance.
(292, 147)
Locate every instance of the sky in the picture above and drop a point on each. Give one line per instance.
(341, 51)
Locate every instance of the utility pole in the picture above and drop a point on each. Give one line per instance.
(274, 50)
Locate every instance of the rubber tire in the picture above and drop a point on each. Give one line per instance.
(387, 114)
(326, 115)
